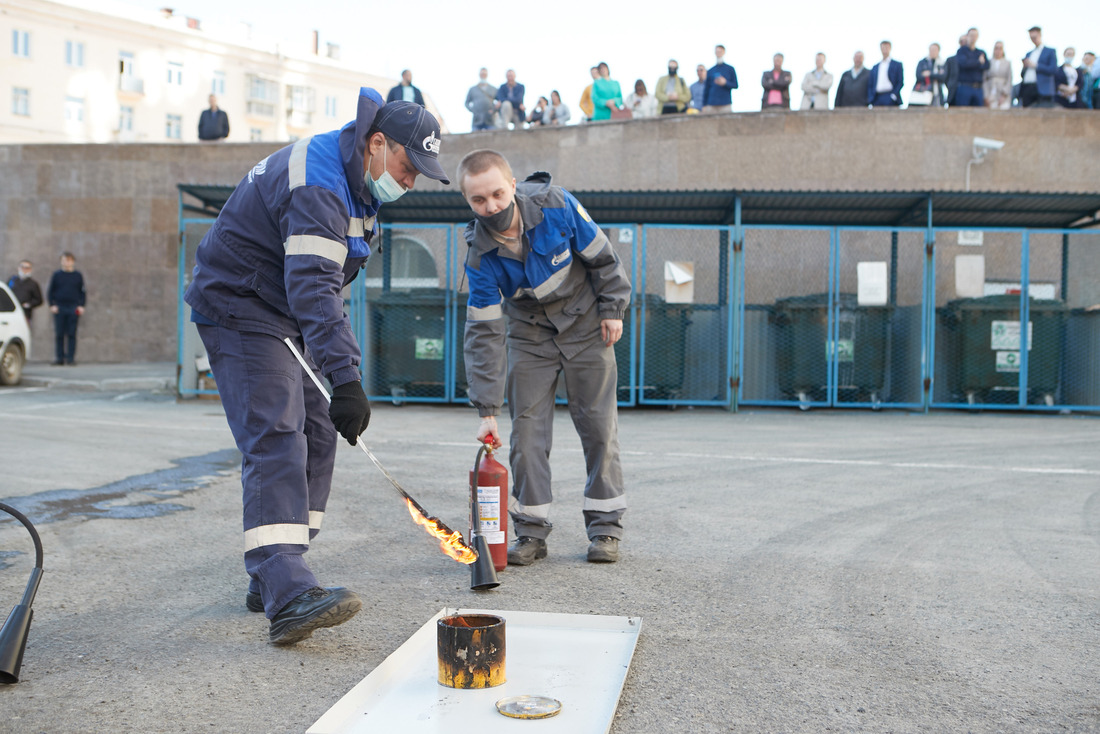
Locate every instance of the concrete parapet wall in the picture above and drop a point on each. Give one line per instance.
(116, 206)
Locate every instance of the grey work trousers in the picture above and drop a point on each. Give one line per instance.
(590, 381)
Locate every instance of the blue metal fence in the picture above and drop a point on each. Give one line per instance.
(772, 315)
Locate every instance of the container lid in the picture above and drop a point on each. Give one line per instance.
(529, 707)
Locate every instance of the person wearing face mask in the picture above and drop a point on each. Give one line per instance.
(479, 101)
(295, 231)
(1065, 80)
(672, 91)
(547, 297)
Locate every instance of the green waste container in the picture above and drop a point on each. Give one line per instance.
(666, 326)
(804, 348)
(407, 342)
(985, 338)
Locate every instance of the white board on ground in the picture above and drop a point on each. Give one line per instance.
(581, 660)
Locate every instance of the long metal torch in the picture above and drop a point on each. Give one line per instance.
(359, 442)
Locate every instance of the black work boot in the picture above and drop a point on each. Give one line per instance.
(603, 549)
(255, 603)
(312, 610)
(526, 550)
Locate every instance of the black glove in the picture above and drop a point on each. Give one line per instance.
(349, 410)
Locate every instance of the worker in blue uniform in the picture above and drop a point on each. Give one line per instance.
(296, 230)
(547, 296)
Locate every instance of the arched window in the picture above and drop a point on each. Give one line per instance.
(411, 265)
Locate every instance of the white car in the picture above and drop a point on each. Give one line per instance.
(15, 338)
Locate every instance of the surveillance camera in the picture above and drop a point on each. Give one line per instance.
(985, 144)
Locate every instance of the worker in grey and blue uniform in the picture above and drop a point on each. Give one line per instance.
(547, 294)
(296, 230)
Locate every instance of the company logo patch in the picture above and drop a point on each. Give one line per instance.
(257, 170)
(431, 143)
(583, 213)
(560, 258)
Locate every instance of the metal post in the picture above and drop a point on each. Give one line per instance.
(387, 258)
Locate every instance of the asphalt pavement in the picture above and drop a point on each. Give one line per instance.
(795, 571)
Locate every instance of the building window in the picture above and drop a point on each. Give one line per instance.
(21, 102)
(255, 135)
(127, 80)
(262, 96)
(173, 127)
(21, 43)
(217, 84)
(301, 101)
(74, 109)
(74, 53)
(330, 105)
(175, 73)
(125, 119)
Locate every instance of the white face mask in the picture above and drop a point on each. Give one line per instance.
(386, 188)
(1069, 60)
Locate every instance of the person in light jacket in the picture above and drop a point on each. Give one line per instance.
(816, 85)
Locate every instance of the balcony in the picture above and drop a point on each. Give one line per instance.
(131, 84)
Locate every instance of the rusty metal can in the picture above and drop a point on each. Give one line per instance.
(470, 649)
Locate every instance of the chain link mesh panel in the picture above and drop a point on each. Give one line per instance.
(785, 336)
(878, 318)
(405, 337)
(977, 322)
(1064, 290)
(685, 314)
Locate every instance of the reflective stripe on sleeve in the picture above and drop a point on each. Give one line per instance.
(485, 313)
(282, 534)
(593, 248)
(296, 167)
(551, 284)
(535, 512)
(608, 505)
(311, 244)
(357, 226)
(315, 519)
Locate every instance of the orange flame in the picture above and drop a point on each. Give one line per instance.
(450, 541)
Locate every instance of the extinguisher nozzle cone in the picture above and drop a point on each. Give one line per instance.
(483, 574)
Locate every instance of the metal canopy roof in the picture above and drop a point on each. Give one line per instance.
(971, 210)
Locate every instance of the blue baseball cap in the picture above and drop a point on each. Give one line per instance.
(415, 128)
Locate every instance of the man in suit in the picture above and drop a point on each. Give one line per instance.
(884, 86)
(777, 85)
(1040, 65)
(405, 91)
(852, 89)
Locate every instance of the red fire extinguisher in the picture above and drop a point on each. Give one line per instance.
(492, 505)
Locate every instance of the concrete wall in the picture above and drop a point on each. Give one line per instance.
(115, 206)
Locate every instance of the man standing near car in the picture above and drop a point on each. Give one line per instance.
(296, 230)
(547, 297)
(67, 297)
(26, 289)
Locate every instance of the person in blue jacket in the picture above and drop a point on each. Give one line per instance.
(295, 231)
(720, 83)
(537, 258)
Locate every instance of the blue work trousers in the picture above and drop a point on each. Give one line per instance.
(280, 422)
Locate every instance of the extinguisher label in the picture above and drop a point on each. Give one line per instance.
(488, 501)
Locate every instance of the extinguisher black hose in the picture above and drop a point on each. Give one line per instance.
(30, 528)
(476, 509)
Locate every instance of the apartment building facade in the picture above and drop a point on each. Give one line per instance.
(80, 71)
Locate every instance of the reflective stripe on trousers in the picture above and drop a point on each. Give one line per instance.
(288, 444)
(590, 380)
